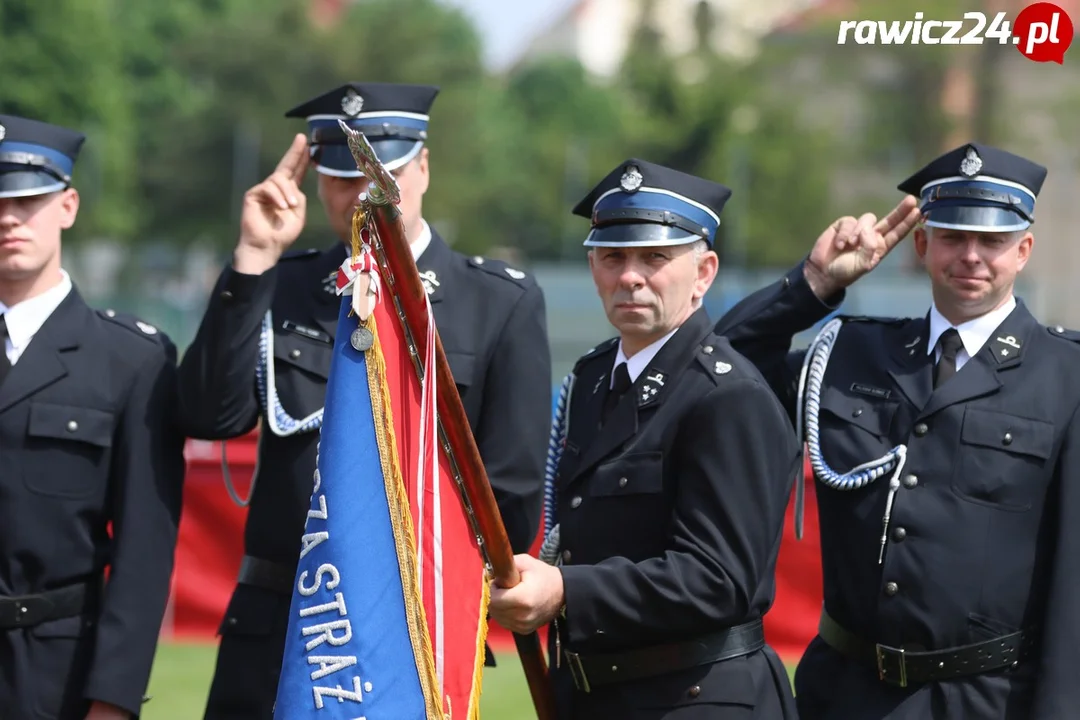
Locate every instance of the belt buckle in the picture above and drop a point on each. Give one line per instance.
(577, 671)
(884, 651)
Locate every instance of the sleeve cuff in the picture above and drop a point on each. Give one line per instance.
(796, 282)
(238, 287)
(579, 612)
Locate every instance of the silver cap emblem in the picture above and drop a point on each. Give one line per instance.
(631, 179)
(352, 103)
(971, 164)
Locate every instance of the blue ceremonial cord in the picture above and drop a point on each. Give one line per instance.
(277, 420)
(808, 406)
(560, 426)
(281, 423)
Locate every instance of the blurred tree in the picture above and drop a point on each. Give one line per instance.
(45, 50)
(708, 116)
(704, 25)
(473, 135)
(571, 133)
(249, 71)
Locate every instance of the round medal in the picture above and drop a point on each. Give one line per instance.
(362, 339)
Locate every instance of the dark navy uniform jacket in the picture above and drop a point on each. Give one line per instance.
(491, 319)
(671, 517)
(983, 539)
(87, 440)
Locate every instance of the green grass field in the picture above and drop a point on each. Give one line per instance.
(181, 679)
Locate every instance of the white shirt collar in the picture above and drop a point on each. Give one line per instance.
(422, 242)
(637, 364)
(25, 318)
(973, 333)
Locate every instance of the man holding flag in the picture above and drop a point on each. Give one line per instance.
(263, 351)
(395, 630)
(676, 466)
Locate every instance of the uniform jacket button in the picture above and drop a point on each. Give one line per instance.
(72, 426)
(294, 354)
(891, 589)
(921, 429)
(694, 691)
(1007, 440)
(622, 482)
(899, 534)
(856, 412)
(575, 502)
(226, 295)
(911, 481)
(566, 557)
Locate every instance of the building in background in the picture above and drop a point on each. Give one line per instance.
(598, 33)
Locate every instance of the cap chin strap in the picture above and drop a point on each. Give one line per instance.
(37, 162)
(808, 408)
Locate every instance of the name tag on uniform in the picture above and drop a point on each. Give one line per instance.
(313, 333)
(880, 393)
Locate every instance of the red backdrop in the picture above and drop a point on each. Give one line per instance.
(211, 545)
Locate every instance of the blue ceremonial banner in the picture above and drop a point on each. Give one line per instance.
(389, 609)
(349, 653)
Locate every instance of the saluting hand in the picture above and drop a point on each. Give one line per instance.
(532, 602)
(850, 248)
(274, 212)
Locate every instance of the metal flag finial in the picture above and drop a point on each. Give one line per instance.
(384, 188)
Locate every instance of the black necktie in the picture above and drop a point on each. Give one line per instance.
(621, 385)
(950, 345)
(5, 364)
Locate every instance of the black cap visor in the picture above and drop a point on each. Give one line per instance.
(337, 160)
(975, 218)
(21, 181)
(639, 235)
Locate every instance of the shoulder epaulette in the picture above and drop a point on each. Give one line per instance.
(717, 357)
(598, 350)
(135, 325)
(498, 268)
(1063, 332)
(297, 254)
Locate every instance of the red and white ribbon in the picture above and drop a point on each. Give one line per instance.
(349, 271)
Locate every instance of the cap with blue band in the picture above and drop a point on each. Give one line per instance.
(642, 204)
(36, 158)
(393, 117)
(977, 188)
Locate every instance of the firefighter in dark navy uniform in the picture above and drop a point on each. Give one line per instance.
(676, 466)
(262, 354)
(88, 438)
(946, 449)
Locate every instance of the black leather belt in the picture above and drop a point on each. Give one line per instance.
(30, 610)
(591, 671)
(266, 574)
(901, 667)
